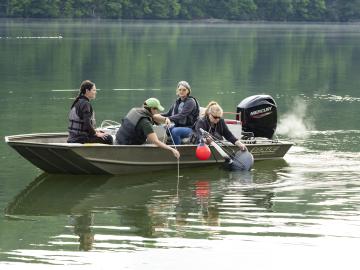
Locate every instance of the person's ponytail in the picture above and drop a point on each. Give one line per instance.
(85, 86)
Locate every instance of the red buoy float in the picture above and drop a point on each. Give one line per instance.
(203, 151)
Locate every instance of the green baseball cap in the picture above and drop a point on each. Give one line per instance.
(154, 103)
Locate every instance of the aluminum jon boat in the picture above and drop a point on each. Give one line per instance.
(51, 153)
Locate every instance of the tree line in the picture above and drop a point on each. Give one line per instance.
(250, 10)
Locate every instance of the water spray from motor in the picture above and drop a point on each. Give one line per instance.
(295, 123)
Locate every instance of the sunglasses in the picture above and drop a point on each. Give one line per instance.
(215, 117)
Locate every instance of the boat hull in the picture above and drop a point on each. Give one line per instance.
(51, 153)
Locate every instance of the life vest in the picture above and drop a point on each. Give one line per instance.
(76, 123)
(127, 133)
(190, 119)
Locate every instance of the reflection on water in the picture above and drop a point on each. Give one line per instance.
(82, 227)
(313, 194)
(138, 211)
(162, 212)
(53, 194)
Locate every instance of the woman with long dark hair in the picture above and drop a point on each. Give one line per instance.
(82, 125)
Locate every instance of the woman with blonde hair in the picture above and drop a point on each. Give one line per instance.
(213, 123)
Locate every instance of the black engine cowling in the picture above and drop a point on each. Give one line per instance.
(258, 115)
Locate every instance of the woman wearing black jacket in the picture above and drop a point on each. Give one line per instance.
(183, 113)
(82, 125)
(213, 123)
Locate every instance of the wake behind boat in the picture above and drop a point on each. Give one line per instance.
(51, 153)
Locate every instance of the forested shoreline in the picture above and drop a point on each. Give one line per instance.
(242, 10)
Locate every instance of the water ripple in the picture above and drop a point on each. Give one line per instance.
(33, 37)
(336, 98)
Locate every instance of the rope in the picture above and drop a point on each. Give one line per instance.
(109, 123)
(178, 160)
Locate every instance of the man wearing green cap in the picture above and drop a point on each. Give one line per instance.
(137, 126)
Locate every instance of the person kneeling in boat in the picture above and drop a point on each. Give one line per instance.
(137, 126)
(82, 125)
(213, 123)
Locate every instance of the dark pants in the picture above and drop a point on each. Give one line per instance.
(107, 139)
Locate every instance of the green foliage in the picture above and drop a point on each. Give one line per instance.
(275, 10)
(34, 8)
(232, 9)
(343, 10)
(192, 9)
(309, 10)
(68, 10)
(271, 10)
(112, 9)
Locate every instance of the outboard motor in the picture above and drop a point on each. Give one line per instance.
(258, 115)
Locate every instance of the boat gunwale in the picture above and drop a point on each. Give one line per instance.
(22, 139)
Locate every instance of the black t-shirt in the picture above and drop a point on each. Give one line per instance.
(145, 126)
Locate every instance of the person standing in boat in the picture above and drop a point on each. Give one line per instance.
(82, 125)
(213, 123)
(137, 126)
(183, 113)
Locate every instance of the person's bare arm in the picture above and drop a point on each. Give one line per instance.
(153, 138)
(158, 118)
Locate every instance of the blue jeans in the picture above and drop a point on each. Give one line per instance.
(180, 132)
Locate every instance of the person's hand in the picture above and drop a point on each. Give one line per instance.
(167, 122)
(100, 134)
(208, 139)
(176, 153)
(241, 146)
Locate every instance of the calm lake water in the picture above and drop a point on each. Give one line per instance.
(302, 211)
